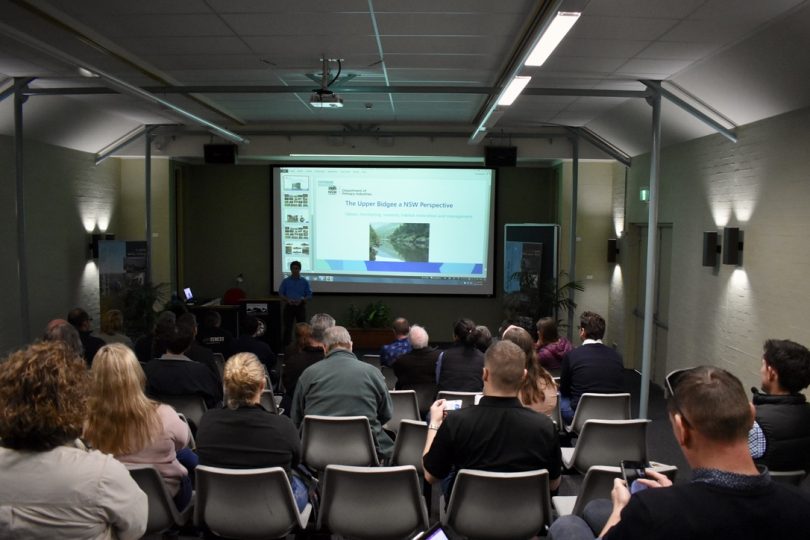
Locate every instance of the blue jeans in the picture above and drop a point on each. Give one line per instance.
(566, 411)
(300, 492)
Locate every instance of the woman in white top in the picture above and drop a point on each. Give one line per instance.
(135, 429)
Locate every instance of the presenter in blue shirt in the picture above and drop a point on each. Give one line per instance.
(294, 292)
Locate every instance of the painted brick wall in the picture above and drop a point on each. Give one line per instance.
(66, 196)
(721, 316)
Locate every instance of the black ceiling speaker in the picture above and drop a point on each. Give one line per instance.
(220, 153)
(500, 156)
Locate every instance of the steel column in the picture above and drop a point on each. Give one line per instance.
(22, 260)
(652, 259)
(572, 241)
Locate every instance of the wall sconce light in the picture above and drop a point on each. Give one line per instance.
(644, 194)
(732, 246)
(612, 250)
(711, 248)
(94, 239)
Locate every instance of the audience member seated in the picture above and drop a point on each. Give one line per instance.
(112, 328)
(389, 353)
(50, 486)
(459, 367)
(499, 434)
(123, 422)
(591, 368)
(418, 367)
(538, 391)
(249, 342)
(195, 351)
(342, 385)
(484, 338)
(82, 322)
(153, 344)
(244, 435)
(213, 336)
(551, 347)
(61, 330)
(728, 497)
(302, 333)
(174, 373)
(780, 438)
(311, 352)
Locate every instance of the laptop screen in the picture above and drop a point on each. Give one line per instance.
(187, 293)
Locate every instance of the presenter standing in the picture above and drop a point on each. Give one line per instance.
(294, 292)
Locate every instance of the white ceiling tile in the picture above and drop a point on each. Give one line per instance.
(454, 6)
(657, 68)
(446, 24)
(643, 8)
(185, 45)
(140, 25)
(297, 6)
(756, 12)
(437, 44)
(582, 64)
(624, 28)
(121, 7)
(347, 47)
(600, 48)
(300, 25)
(677, 50)
(719, 32)
(439, 61)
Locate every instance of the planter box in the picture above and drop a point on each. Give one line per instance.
(370, 338)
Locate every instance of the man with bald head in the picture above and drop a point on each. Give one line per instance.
(342, 385)
(401, 345)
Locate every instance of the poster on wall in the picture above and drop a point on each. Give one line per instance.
(121, 268)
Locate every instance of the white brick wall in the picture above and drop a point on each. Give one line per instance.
(761, 185)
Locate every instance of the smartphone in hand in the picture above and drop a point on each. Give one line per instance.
(452, 405)
(632, 471)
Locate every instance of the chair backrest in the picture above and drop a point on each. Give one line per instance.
(337, 440)
(192, 443)
(598, 483)
(410, 444)
(425, 396)
(556, 416)
(247, 503)
(600, 407)
(163, 514)
(405, 407)
(191, 405)
(268, 401)
(372, 503)
(608, 442)
(219, 360)
(492, 506)
(373, 359)
(467, 398)
(794, 478)
(389, 376)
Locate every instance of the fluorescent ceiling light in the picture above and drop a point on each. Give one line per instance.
(552, 37)
(513, 90)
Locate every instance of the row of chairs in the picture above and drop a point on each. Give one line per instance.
(363, 503)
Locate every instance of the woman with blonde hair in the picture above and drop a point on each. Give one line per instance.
(245, 435)
(123, 422)
(112, 326)
(539, 391)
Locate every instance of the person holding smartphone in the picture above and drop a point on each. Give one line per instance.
(499, 434)
(728, 497)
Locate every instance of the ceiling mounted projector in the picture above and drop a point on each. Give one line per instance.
(325, 99)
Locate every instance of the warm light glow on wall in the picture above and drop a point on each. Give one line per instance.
(721, 214)
(738, 283)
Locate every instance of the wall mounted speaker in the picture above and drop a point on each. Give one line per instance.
(732, 245)
(500, 156)
(710, 248)
(220, 153)
(612, 250)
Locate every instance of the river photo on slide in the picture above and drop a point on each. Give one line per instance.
(400, 242)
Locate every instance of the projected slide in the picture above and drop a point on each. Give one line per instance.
(385, 229)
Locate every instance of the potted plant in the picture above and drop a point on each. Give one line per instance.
(370, 325)
(535, 299)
